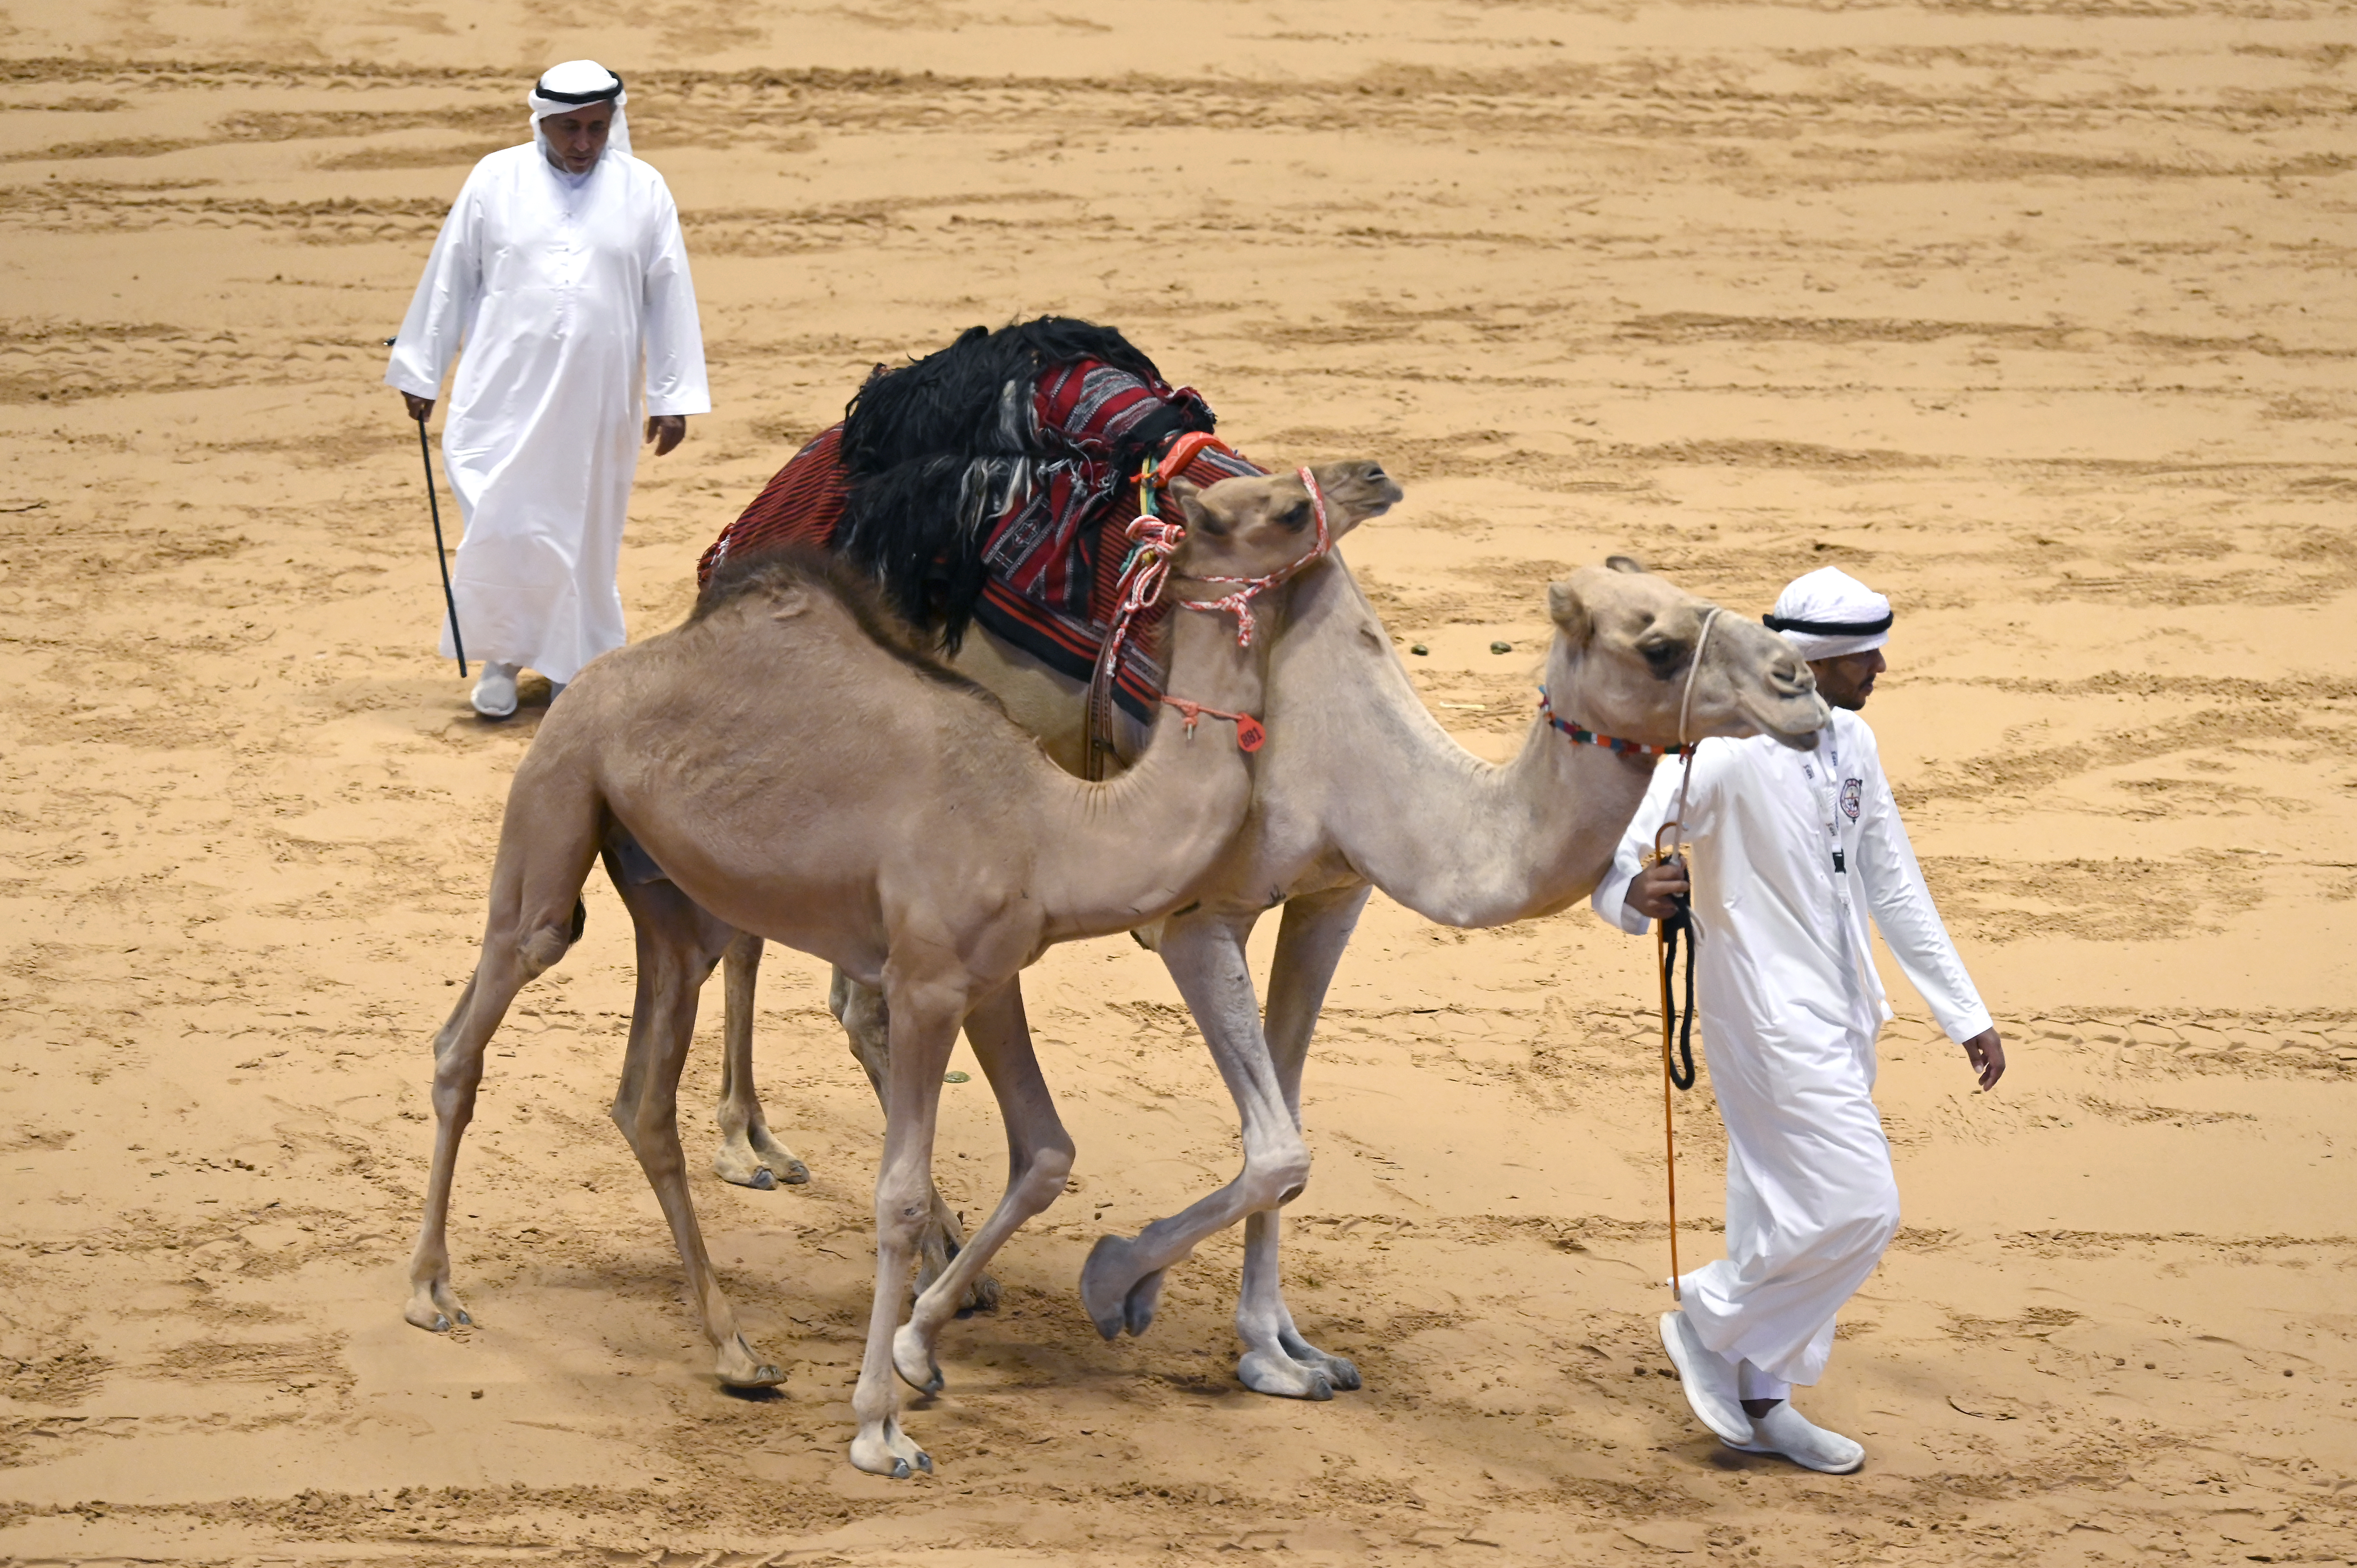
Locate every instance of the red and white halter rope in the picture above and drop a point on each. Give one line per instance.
(1238, 601)
(1154, 540)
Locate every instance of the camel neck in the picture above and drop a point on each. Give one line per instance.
(1131, 848)
(1460, 841)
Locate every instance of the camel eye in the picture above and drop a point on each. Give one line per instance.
(1297, 517)
(1665, 654)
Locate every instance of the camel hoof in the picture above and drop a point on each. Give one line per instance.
(434, 1306)
(758, 1162)
(980, 1296)
(740, 1368)
(910, 1350)
(1339, 1371)
(886, 1450)
(1137, 1307)
(1280, 1377)
(1104, 1287)
(764, 1376)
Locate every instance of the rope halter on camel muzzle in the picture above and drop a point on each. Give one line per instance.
(1154, 541)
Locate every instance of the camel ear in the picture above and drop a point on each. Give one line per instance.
(1189, 497)
(1625, 563)
(1570, 613)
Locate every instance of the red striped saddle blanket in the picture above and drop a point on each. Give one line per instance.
(1056, 551)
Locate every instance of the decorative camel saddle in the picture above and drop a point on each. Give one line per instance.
(993, 482)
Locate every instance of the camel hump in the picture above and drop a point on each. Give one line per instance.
(778, 578)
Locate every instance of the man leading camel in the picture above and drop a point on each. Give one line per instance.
(562, 268)
(1792, 851)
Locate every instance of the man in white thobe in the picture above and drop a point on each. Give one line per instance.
(562, 270)
(1793, 853)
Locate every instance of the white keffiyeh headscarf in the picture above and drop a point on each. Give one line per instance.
(1828, 614)
(569, 86)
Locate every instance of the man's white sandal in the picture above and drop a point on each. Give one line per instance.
(1786, 1431)
(495, 692)
(1708, 1379)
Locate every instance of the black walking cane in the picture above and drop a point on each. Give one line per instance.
(434, 504)
(441, 556)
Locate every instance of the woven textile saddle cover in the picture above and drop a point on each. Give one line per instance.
(1055, 554)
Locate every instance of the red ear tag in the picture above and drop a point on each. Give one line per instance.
(1249, 735)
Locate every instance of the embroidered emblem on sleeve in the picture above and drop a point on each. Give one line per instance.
(1850, 789)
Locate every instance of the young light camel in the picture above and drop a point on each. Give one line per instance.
(1363, 789)
(786, 763)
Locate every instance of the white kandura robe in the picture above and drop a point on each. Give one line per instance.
(561, 287)
(1789, 1006)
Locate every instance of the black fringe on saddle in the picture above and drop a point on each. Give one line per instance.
(949, 401)
(938, 450)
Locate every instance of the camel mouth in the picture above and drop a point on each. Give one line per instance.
(1789, 728)
(1360, 488)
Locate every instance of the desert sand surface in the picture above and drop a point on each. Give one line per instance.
(2033, 312)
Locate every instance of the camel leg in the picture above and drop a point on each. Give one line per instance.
(1039, 1161)
(678, 945)
(924, 1024)
(867, 1022)
(545, 848)
(500, 973)
(1310, 945)
(1122, 1280)
(748, 1155)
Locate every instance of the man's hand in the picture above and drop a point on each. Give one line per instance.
(421, 409)
(666, 431)
(1986, 1053)
(1652, 890)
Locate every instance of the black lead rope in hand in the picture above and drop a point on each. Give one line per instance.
(1674, 1029)
(1675, 1019)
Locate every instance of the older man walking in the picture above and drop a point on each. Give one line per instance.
(1794, 851)
(562, 270)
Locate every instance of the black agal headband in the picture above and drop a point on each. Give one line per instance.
(1827, 627)
(603, 95)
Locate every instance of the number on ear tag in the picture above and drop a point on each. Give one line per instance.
(1249, 735)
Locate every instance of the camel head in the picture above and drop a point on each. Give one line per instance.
(1253, 525)
(1625, 643)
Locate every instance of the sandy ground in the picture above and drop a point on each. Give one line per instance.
(2035, 313)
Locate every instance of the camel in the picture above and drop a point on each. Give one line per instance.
(789, 763)
(1359, 788)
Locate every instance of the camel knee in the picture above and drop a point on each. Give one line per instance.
(543, 946)
(902, 1208)
(644, 1125)
(1277, 1179)
(454, 1102)
(1046, 1171)
(457, 1072)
